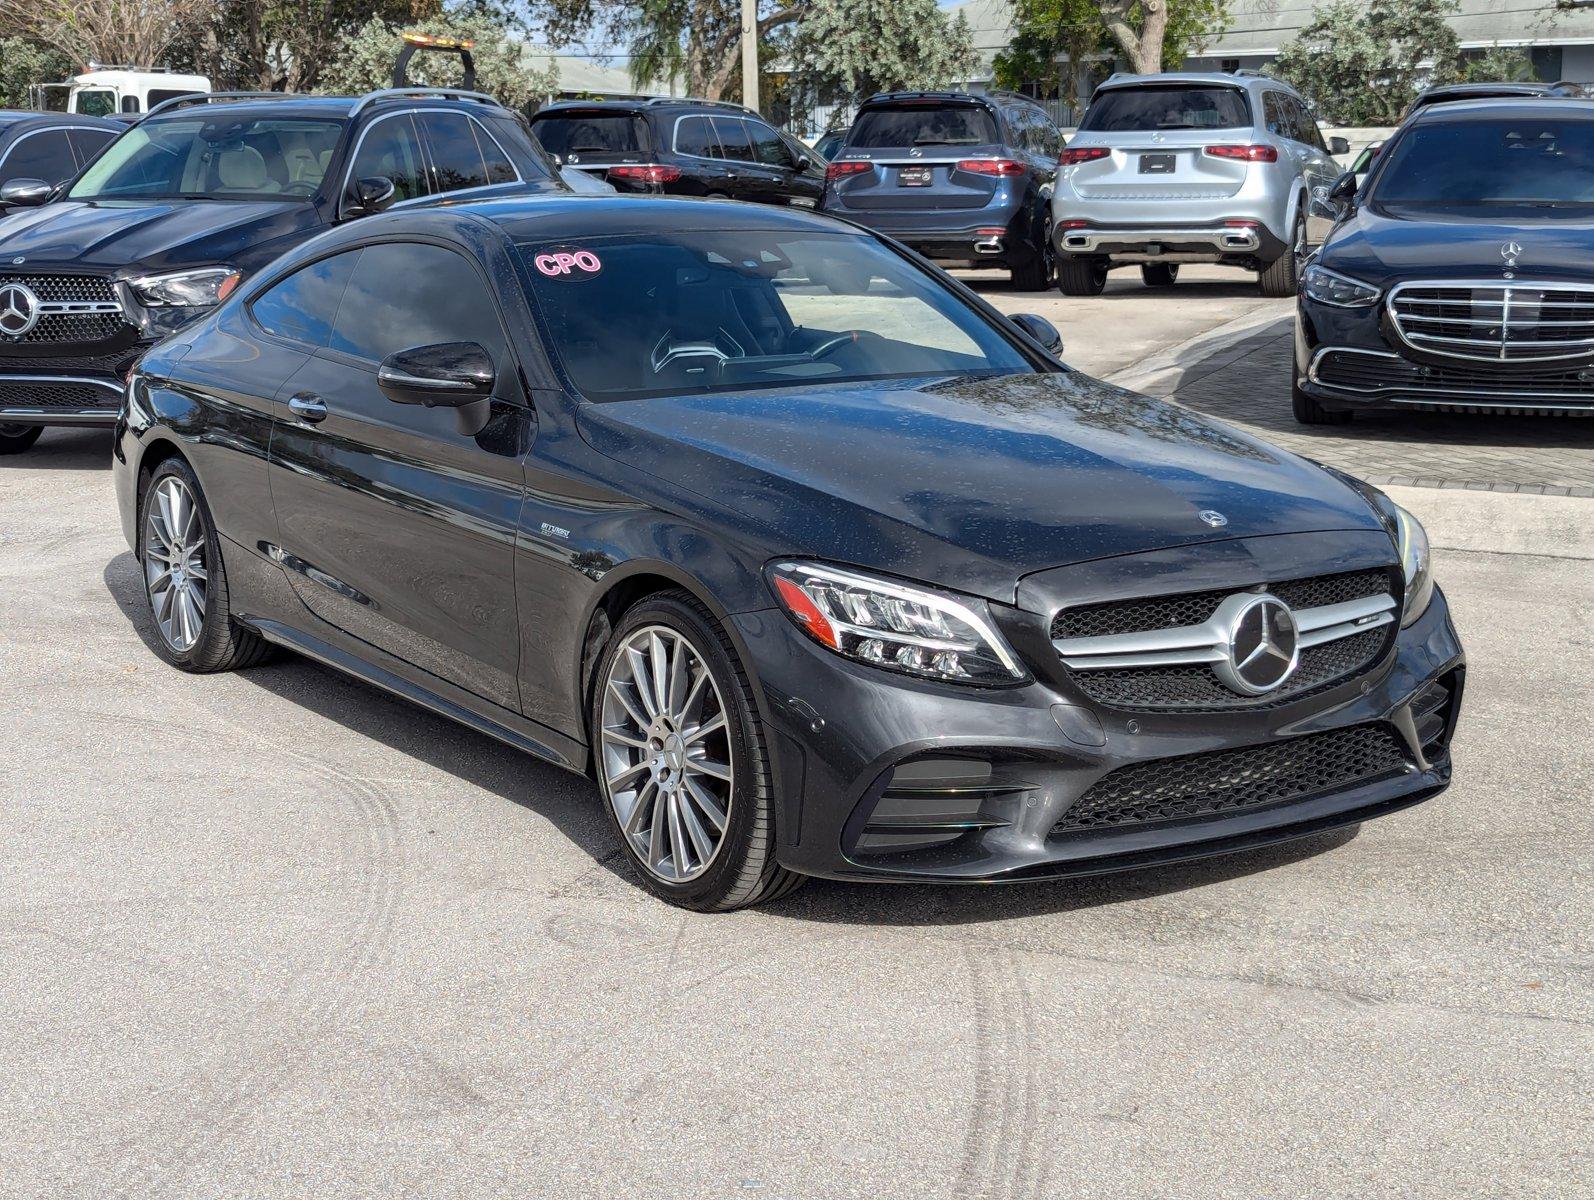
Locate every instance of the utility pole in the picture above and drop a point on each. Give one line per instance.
(750, 54)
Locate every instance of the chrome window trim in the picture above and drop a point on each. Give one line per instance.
(1489, 397)
(426, 153)
(675, 137)
(1505, 287)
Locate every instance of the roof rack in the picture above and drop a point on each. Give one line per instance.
(188, 98)
(1250, 72)
(442, 93)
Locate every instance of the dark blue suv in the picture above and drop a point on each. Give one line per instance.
(963, 179)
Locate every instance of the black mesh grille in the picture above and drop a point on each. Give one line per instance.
(66, 395)
(1196, 688)
(1169, 789)
(1457, 381)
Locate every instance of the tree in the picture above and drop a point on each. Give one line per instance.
(1155, 33)
(695, 41)
(850, 51)
(23, 62)
(134, 32)
(1365, 65)
(1046, 32)
(365, 61)
(1498, 64)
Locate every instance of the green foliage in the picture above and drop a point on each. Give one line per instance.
(1046, 31)
(1364, 64)
(23, 62)
(503, 68)
(848, 51)
(1499, 64)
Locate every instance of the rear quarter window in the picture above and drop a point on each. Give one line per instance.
(1136, 110)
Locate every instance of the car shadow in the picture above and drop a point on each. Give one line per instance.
(64, 449)
(1124, 284)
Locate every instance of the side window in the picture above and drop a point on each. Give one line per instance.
(46, 156)
(1307, 124)
(693, 136)
(731, 133)
(303, 305)
(392, 148)
(499, 168)
(89, 142)
(456, 157)
(1273, 113)
(443, 300)
(767, 146)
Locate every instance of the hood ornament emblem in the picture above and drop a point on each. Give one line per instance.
(18, 261)
(19, 309)
(1511, 251)
(1213, 518)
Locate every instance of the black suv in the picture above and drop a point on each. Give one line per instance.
(49, 148)
(206, 190)
(963, 179)
(682, 148)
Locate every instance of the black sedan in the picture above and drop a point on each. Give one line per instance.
(1460, 276)
(817, 563)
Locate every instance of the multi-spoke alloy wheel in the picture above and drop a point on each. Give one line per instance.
(666, 753)
(175, 570)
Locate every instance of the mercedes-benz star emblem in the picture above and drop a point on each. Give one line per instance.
(915, 153)
(19, 309)
(1511, 251)
(1263, 647)
(1213, 518)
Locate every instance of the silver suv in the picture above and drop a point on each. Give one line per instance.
(1192, 167)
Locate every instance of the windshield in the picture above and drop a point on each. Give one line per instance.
(1531, 161)
(923, 125)
(213, 157)
(94, 102)
(589, 133)
(1135, 110)
(686, 312)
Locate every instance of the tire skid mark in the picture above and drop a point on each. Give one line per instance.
(1002, 1151)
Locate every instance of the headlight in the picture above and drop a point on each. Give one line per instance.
(200, 288)
(1416, 562)
(1328, 287)
(888, 624)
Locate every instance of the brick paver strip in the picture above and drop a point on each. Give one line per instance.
(1249, 386)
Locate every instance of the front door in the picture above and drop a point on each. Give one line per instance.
(397, 523)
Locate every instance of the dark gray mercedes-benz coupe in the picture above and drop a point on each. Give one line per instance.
(817, 563)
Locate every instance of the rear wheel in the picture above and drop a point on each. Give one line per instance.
(681, 762)
(185, 581)
(1159, 275)
(1281, 276)
(1035, 274)
(1309, 412)
(14, 439)
(1081, 276)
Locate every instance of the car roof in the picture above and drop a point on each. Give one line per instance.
(11, 118)
(1484, 90)
(642, 104)
(1212, 78)
(555, 216)
(1495, 106)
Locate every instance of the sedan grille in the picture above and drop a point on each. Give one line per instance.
(1226, 781)
(1496, 322)
(72, 308)
(1161, 652)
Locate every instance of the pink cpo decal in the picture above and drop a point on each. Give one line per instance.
(568, 264)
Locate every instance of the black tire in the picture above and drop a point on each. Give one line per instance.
(1081, 276)
(1159, 275)
(743, 871)
(222, 644)
(1035, 274)
(1309, 412)
(14, 439)
(1282, 276)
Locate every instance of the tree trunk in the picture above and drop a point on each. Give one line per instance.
(1142, 47)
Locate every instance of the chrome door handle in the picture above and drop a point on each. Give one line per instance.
(307, 406)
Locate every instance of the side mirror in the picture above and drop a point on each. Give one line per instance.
(369, 196)
(1338, 145)
(444, 375)
(1041, 330)
(25, 193)
(804, 162)
(1342, 196)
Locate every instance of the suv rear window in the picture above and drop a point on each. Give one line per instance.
(563, 134)
(923, 125)
(1132, 110)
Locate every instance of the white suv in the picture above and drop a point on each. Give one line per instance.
(1191, 167)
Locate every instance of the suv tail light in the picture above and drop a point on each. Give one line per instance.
(1074, 155)
(1260, 153)
(991, 166)
(840, 170)
(649, 173)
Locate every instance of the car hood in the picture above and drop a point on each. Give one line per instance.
(1382, 246)
(143, 236)
(971, 483)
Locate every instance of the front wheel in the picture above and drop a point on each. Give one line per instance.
(680, 759)
(14, 439)
(1080, 276)
(1309, 412)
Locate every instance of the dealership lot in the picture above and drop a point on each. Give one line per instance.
(274, 933)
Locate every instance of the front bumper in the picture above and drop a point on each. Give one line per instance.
(854, 748)
(58, 399)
